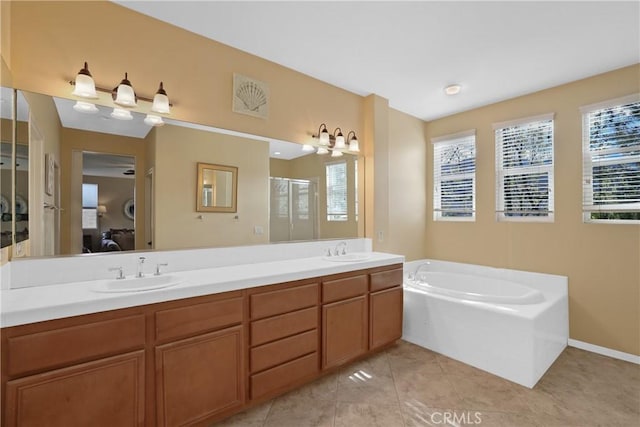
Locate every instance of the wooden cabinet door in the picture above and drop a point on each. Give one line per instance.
(344, 332)
(199, 377)
(107, 392)
(386, 317)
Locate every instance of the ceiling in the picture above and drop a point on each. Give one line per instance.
(408, 52)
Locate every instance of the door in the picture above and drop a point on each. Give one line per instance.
(345, 331)
(303, 210)
(199, 377)
(386, 317)
(106, 392)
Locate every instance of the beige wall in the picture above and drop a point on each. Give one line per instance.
(47, 51)
(602, 261)
(407, 185)
(113, 193)
(177, 224)
(73, 140)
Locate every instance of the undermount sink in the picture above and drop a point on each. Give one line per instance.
(138, 284)
(353, 257)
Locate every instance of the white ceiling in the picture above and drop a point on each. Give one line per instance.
(408, 51)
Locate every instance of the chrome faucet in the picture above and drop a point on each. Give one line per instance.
(420, 267)
(120, 275)
(161, 264)
(344, 248)
(140, 269)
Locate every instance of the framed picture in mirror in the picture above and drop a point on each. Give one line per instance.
(217, 188)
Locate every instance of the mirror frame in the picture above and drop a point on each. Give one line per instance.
(200, 186)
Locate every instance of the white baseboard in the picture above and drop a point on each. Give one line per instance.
(605, 351)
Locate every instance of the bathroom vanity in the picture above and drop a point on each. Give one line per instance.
(194, 360)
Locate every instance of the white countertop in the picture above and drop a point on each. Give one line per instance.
(36, 304)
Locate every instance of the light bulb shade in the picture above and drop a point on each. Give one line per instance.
(308, 148)
(322, 150)
(102, 209)
(336, 153)
(85, 87)
(339, 139)
(352, 142)
(323, 139)
(354, 147)
(153, 120)
(125, 95)
(121, 114)
(85, 107)
(161, 102)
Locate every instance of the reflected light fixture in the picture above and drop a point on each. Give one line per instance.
(453, 89)
(85, 87)
(85, 107)
(101, 210)
(336, 153)
(121, 114)
(153, 120)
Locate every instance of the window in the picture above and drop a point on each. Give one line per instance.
(611, 160)
(336, 179)
(89, 206)
(524, 169)
(454, 177)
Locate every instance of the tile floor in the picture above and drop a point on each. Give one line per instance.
(409, 386)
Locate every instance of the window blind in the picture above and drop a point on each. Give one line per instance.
(336, 181)
(524, 170)
(611, 162)
(454, 177)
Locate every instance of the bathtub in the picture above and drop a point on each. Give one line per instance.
(510, 323)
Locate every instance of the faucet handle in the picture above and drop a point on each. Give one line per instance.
(120, 275)
(160, 264)
(329, 252)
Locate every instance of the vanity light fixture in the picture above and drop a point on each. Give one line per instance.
(101, 210)
(453, 89)
(352, 142)
(336, 143)
(85, 87)
(123, 96)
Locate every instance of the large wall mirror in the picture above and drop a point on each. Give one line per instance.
(274, 191)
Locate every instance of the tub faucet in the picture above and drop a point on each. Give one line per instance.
(420, 267)
(344, 248)
(139, 270)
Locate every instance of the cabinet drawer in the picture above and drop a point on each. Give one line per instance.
(386, 279)
(349, 287)
(277, 352)
(273, 328)
(183, 321)
(60, 347)
(283, 376)
(283, 300)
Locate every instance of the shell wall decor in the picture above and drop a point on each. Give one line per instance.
(250, 96)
